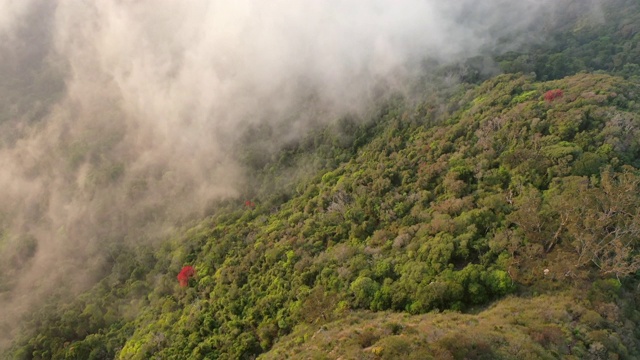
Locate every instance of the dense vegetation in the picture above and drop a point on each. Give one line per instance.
(482, 221)
(425, 216)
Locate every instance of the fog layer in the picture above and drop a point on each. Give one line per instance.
(120, 119)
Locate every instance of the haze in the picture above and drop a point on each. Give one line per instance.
(121, 119)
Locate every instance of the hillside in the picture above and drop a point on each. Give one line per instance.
(509, 194)
(481, 216)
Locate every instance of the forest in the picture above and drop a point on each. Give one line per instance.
(494, 218)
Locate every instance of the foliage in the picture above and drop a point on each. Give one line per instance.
(553, 94)
(545, 327)
(431, 206)
(446, 216)
(185, 274)
(588, 41)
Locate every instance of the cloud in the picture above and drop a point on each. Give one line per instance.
(120, 117)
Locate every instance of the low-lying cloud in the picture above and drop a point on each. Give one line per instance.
(120, 118)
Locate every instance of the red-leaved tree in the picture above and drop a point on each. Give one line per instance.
(185, 274)
(551, 95)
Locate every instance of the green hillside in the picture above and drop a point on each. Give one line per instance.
(485, 220)
(508, 194)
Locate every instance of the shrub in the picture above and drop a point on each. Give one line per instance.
(552, 95)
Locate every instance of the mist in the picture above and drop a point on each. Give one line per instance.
(120, 120)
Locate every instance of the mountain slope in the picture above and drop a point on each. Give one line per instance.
(445, 210)
(493, 218)
(543, 327)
